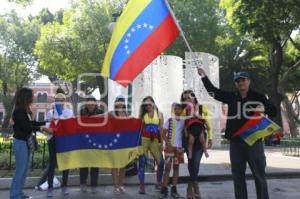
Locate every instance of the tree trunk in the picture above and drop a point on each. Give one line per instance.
(8, 103)
(276, 63)
(290, 117)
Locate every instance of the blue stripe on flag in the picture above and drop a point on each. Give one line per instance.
(101, 141)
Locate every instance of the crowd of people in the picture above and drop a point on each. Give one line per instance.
(187, 131)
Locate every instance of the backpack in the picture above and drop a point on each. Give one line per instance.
(131, 169)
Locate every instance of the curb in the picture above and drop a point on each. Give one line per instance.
(150, 179)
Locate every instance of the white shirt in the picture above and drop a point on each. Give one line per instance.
(52, 115)
(178, 132)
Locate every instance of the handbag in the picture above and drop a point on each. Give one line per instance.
(32, 142)
(131, 169)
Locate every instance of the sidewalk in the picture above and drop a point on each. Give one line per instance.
(278, 189)
(215, 168)
(218, 164)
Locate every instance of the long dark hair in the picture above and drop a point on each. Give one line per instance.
(143, 110)
(182, 99)
(24, 97)
(116, 109)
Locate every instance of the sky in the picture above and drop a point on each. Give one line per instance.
(35, 7)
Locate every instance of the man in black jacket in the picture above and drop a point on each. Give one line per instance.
(241, 105)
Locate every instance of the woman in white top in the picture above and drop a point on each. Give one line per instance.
(59, 111)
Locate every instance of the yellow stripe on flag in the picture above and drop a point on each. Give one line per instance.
(262, 133)
(97, 158)
(128, 16)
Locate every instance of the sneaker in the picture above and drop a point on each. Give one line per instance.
(94, 190)
(50, 193)
(174, 192)
(26, 197)
(38, 188)
(83, 188)
(64, 191)
(163, 193)
(142, 190)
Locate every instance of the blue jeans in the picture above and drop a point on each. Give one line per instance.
(22, 156)
(194, 163)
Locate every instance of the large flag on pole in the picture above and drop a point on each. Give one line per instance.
(257, 127)
(104, 142)
(144, 29)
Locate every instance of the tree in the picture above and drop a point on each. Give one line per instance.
(199, 20)
(22, 2)
(78, 44)
(271, 23)
(17, 63)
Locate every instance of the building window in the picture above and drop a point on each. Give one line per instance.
(41, 116)
(42, 98)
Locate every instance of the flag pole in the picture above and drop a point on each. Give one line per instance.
(178, 25)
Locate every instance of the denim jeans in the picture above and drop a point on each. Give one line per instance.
(52, 165)
(240, 155)
(49, 172)
(22, 156)
(194, 162)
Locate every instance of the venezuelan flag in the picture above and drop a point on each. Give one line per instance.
(257, 127)
(144, 29)
(85, 142)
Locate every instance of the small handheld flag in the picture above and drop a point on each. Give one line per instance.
(257, 127)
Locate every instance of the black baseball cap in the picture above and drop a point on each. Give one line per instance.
(241, 74)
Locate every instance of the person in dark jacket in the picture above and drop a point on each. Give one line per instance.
(90, 109)
(242, 104)
(23, 127)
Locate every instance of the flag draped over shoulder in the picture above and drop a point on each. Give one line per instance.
(257, 127)
(144, 29)
(104, 142)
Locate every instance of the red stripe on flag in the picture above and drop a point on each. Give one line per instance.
(254, 120)
(97, 125)
(157, 42)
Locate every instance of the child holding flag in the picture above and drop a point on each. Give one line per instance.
(172, 135)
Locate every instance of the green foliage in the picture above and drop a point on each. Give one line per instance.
(199, 20)
(267, 20)
(22, 2)
(78, 44)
